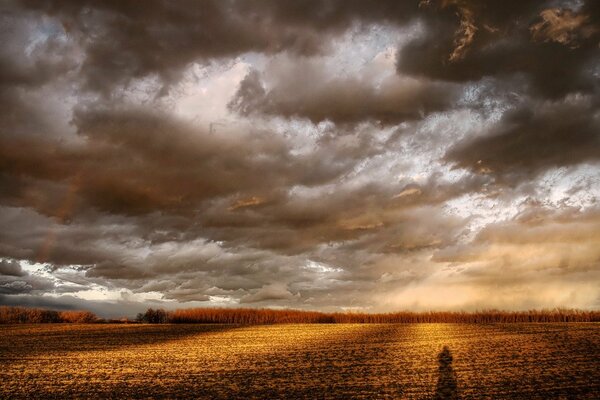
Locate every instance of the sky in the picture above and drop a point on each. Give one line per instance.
(328, 155)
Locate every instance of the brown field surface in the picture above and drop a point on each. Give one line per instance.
(301, 361)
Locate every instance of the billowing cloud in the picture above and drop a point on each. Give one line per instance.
(271, 292)
(467, 41)
(304, 91)
(11, 268)
(533, 138)
(121, 43)
(135, 161)
(14, 280)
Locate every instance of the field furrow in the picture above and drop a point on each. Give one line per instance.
(301, 361)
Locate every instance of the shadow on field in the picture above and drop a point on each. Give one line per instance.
(58, 339)
(447, 387)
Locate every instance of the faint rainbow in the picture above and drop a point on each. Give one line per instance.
(61, 214)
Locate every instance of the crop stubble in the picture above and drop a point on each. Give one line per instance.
(300, 361)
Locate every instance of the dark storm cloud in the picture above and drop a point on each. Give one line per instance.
(418, 229)
(29, 60)
(105, 309)
(308, 93)
(122, 41)
(15, 280)
(274, 292)
(379, 217)
(111, 270)
(468, 40)
(11, 268)
(462, 40)
(28, 284)
(533, 138)
(135, 162)
(25, 60)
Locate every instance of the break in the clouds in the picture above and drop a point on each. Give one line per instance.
(327, 155)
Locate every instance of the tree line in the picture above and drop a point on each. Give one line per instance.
(268, 316)
(251, 316)
(26, 315)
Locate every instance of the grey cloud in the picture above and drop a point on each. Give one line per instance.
(416, 229)
(134, 162)
(273, 292)
(104, 309)
(11, 268)
(28, 58)
(111, 270)
(14, 287)
(122, 42)
(24, 283)
(309, 93)
(185, 295)
(56, 242)
(502, 45)
(533, 138)
(381, 217)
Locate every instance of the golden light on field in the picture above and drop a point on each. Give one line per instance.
(334, 361)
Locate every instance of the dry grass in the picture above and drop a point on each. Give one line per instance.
(299, 361)
(266, 316)
(252, 316)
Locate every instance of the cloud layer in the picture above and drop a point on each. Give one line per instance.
(322, 154)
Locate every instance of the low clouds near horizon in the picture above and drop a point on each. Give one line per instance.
(330, 155)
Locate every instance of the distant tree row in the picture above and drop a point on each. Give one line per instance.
(24, 315)
(251, 316)
(267, 316)
(152, 316)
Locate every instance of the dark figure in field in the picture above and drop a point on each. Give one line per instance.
(446, 386)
